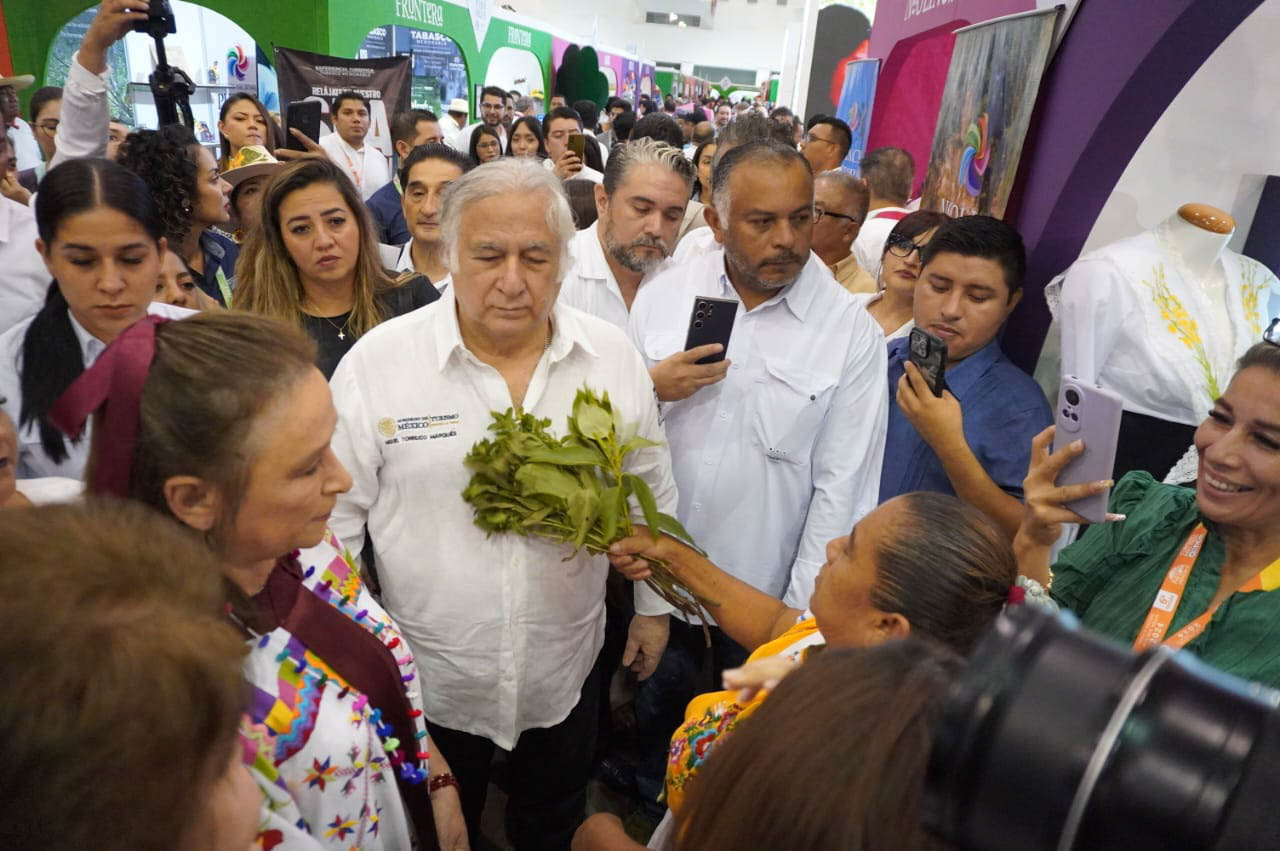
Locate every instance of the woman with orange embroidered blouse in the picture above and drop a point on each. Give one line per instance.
(241, 457)
(921, 564)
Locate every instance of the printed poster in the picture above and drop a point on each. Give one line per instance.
(986, 108)
(856, 99)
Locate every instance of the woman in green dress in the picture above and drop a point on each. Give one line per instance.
(1196, 569)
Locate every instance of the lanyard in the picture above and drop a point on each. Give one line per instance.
(223, 287)
(357, 174)
(1156, 626)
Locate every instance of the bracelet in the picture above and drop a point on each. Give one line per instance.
(442, 780)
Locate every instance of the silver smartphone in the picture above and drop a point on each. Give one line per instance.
(1090, 413)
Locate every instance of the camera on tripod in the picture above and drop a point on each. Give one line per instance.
(170, 87)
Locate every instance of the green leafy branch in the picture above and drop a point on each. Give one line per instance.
(571, 489)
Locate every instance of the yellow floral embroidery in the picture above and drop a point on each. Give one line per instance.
(1251, 289)
(1182, 326)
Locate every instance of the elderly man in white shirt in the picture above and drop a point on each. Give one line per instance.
(778, 451)
(641, 205)
(506, 632)
(363, 163)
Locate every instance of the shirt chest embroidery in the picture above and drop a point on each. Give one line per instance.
(395, 430)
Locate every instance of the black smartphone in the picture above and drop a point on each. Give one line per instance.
(929, 354)
(711, 321)
(303, 115)
(159, 21)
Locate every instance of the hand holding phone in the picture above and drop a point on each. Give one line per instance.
(710, 321)
(578, 144)
(1091, 414)
(303, 116)
(929, 354)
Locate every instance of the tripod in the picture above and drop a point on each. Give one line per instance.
(171, 88)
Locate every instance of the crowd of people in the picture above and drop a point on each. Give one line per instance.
(238, 389)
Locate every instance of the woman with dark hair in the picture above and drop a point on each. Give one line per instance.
(923, 564)
(1195, 569)
(191, 197)
(527, 139)
(313, 262)
(102, 240)
(836, 758)
(703, 157)
(486, 144)
(154, 705)
(223, 423)
(244, 121)
(900, 264)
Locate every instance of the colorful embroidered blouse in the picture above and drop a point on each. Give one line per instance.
(710, 716)
(326, 744)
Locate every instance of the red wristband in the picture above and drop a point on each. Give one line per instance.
(442, 780)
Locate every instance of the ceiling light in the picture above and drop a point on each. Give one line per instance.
(673, 16)
(682, 24)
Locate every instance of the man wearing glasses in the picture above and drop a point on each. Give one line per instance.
(826, 144)
(839, 206)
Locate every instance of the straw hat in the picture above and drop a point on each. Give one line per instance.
(250, 161)
(458, 105)
(19, 81)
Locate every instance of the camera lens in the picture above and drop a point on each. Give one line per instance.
(697, 324)
(702, 305)
(1073, 398)
(699, 315)
(1055, 739)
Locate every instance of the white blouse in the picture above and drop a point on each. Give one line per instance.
(1133, 321)
(865, 300)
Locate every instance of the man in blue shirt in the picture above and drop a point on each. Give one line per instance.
(975, 440)
(408, 130)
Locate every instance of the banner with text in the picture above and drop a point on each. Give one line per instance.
(986, 108)
(313, 76)
(856, 100)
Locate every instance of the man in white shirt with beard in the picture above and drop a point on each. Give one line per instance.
(640, 203)
(505, 632)
(784, 453)
(364, 164)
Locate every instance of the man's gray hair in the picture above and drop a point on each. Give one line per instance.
(532, 186)
(524, 103)
(769, 149)
(746, 129)
(853, 189)
(643, 152)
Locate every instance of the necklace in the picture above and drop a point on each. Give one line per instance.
(339, 328)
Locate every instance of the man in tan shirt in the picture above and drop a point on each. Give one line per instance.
(840, 204)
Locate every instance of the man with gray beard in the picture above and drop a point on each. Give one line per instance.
(641, 203)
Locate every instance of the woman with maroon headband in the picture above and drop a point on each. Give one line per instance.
(241, 457)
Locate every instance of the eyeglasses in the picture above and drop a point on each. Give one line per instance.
(1272, 334)
(902, 246)
(50, 126)
(818, 214)
(810, 138)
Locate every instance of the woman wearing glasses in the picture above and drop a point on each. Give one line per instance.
(1194, 569)
(891, 306)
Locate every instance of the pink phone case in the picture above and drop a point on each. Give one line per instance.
(1088, 412)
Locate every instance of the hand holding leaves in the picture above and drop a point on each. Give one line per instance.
(571, 489)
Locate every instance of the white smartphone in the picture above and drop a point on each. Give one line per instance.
(1090, 413)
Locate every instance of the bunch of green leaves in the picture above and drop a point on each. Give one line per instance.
(571, 489)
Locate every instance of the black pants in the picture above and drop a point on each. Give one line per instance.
(688, 668)
(549, 769)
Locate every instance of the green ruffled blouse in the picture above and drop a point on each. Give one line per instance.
(1109, 579)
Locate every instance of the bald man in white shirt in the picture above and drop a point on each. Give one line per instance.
(781, 451)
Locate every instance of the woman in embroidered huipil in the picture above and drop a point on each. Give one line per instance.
(223, 422)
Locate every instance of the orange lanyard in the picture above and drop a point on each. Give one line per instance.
(1169, 596)
(356, 173)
